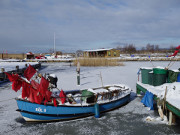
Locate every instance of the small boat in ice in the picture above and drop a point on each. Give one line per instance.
(86, 103)
(40, 102)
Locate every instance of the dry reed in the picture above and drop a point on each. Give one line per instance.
(98, 62)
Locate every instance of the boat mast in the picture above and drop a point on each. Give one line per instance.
(54, 44)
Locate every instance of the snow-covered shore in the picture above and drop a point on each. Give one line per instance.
(9, 66)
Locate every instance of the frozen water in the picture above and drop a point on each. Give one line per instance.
(129, 119)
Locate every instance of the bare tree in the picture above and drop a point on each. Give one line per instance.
(142, 49)
(171, 49)
(58, 53)
(119, 48)
(156, 48)
(150, 48)
(130, 49)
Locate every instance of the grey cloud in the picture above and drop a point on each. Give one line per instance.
(87, 24)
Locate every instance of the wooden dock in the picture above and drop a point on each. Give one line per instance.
(173, 111)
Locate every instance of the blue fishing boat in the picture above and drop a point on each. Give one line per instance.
(83, 103)
(45, 102)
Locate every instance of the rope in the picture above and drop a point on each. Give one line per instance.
(151, 62)
(172, 64)
(58, 89)
(177, 50)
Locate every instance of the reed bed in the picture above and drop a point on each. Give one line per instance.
(95, 62)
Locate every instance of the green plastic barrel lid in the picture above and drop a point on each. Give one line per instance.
(159, 71)
(86, 94)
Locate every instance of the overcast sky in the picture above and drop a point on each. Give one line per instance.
(29, 25)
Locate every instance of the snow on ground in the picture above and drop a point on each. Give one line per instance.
(129, 119)
(9, 66)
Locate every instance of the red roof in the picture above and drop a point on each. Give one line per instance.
(29, 53)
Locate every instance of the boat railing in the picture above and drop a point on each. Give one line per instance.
(110, 95)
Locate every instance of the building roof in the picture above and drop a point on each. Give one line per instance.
(98, 50)
(29, 53)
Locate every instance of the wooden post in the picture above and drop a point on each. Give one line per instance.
(172, 118)
(78, 73)
(101, 79)
(138, 74)
(17, 68)
(3, 74)
(164, 99)
(96, 110)
(2, 70)
(160, 112)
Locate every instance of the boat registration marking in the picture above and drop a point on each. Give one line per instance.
(40, 110)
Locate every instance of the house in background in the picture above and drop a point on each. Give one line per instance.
(30, 55)
(102, 53)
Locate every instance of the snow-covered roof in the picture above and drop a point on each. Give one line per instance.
(97, 50)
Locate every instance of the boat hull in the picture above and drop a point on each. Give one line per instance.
(39, 112)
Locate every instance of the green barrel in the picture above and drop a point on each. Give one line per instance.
(159, 77)
(150, 79)
(173, 75)
(145, 75)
